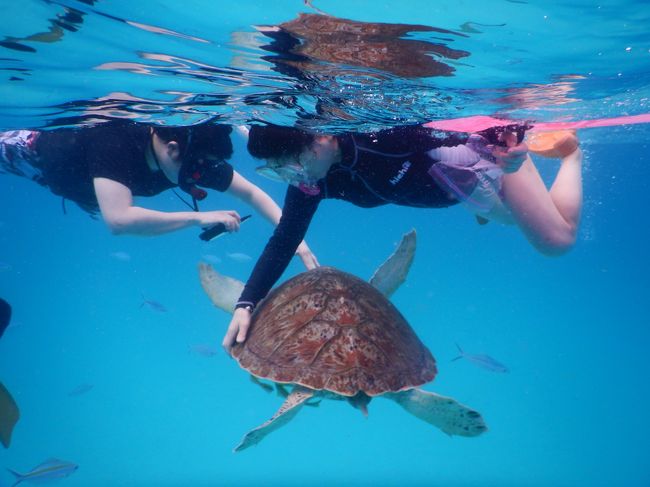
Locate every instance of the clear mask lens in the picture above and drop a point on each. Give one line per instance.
(269, 173)
(290, 173)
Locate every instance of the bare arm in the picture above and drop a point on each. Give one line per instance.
(264, 204)
(123, 218)
(299, 209)
(548, 218)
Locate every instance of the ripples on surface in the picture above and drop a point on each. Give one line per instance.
(357, 68)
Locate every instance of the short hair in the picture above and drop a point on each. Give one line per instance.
(196, 141)
(275, 141)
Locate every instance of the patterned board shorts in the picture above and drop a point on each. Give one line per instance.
(18, 154)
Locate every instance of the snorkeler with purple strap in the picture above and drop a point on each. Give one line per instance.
(103, 167)
(489, 171)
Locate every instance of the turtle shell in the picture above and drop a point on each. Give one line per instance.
(329, 330)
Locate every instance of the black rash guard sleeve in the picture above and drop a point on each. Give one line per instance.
(297, 213)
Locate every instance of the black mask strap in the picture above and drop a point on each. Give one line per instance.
(194, 206)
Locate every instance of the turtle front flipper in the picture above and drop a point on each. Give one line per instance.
(392, 273)
(223, 291)
(442, 412)
(287, 411)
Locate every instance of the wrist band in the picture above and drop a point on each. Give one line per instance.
(246, 305)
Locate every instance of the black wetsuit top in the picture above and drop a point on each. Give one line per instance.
(71, 157)
(390, 166)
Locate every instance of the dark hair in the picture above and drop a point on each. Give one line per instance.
(275, 141)
(493, 134)
(196, 141)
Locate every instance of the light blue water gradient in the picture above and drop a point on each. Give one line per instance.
(573, 330)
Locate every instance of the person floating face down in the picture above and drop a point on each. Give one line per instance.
(490, 172)
(102, 167)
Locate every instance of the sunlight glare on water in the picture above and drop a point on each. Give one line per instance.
(369, 66)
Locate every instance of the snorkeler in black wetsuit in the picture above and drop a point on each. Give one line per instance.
(389, 167)
(67, 160)
(490, 172)
(104, 166)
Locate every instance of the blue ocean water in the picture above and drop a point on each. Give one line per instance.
(573, 330)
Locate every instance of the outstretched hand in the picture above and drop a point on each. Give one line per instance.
(229, 218)
(510, 158)
(238, 328)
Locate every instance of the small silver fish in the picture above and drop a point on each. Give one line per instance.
(154, 305)
(80, 389)
(122, 256)
(5, 267)
(203, 349)
(212, 259)
(51, 469)
(482, 360)
(239, 257)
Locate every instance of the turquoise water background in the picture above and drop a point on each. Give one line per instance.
(573, 330)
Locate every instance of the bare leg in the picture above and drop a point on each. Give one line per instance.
(566, 191)
(549, 219)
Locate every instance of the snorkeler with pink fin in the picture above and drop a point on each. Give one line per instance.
(487, 169)
(481, 162)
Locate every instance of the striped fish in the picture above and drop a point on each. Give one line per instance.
(482, 360)
(51, 469)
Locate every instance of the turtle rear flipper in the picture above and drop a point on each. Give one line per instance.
(287, 411)
(442, 412)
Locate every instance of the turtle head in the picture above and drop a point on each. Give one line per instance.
(360, 401)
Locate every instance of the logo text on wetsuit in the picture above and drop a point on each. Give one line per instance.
(400, 174)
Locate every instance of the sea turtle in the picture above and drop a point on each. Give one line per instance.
(332, 335)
